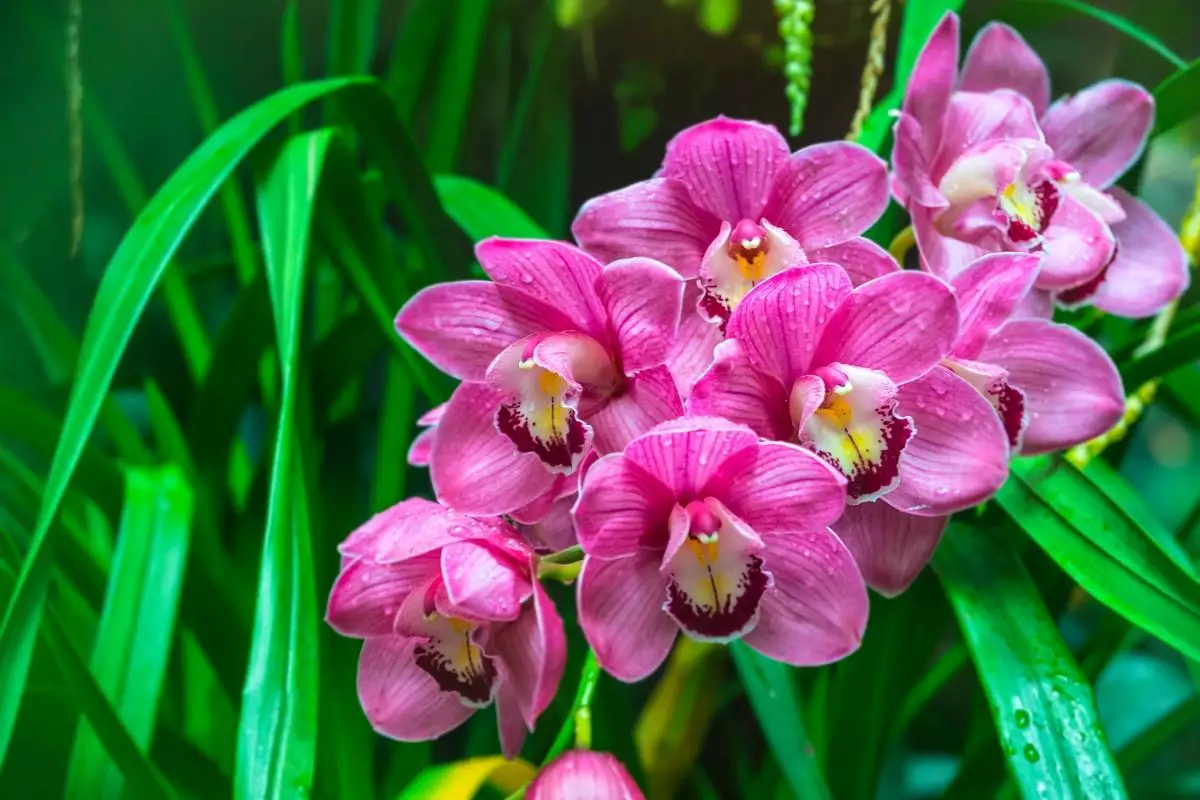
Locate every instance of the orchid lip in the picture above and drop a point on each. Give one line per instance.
(456, 662)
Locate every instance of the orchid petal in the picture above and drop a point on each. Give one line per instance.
(559, 274)
(817, 610)
(400, 699)
(509, 720)
(461, 326)
(1072, 389)
(959, 457)
(420, 452)
(621, 507)
(912, 167)
(778, 323)
(731, 268)
(941, 255)
(778, 487)
(686, 455)
(890, 547)
(534, 650)
(932, 80)
(584, 775)
(827, 193)
(656, 218)
(484, 583)
(973, 119)
(643, 401)
(1102, 130)
(621, 612)
(900, 324)
(366, 595)
(988, 293)
(412, 528)
(643, 299)
(729, 165)
(1078, 245)
(732, 388)
(1000, 59)
(692, 351)
(475, 468)
(1007, 400)
(555, 530)
(862, 259)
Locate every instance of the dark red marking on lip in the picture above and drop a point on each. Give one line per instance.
(728, 616)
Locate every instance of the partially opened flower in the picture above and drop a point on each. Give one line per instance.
(984, 166)
(558, 353)
(1050, 387)
(853, 374)
(452, 617)
(584, 775)
(700, 526)
(732, 206)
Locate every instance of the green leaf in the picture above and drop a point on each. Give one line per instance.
(456, 82)
(482, 211)
(277, 741)
(124, 291)
(352, 36)
(1041, 704)
(1175, 98)
(416, 43)
(772, 693)
(1125, 26)
(920, 18)
(396, 421)
(1105, 551)
(1178, 351)
(137, 625)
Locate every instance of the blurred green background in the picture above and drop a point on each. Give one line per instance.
(551, 103)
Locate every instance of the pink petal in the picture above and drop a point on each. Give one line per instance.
(366, 595)
(1150, 268)
(735, 390)
(1037, 304)
(778, 323)
(412, 528)
(621, 507)
(1000, 59)
(475, 468)
(890, 547)
(940, 254)
(900, 324)
(584, 775)
(692, 351)
(988, 293)
(484, 583)
(554, 531)
(643, 299)
(982, 172)
(621, 612)
(728, 165)
(563, 486)
(959, 457)
(993, 384)
(778, 487)
(1072, 390)
(862, 259)
(911, 165)
(558, 274)
(817, 611)
(509, 720)
(687, 455)
(973, 119)
(645, 400)
(933, 76)
(827, 193)
(1102, 130)
(534, 652)
(461, 326)
(1078, 245)
(657, 218)
(400, 699)
(421, 450)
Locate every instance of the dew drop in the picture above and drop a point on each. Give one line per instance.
(1022, 718)
(1031, 754)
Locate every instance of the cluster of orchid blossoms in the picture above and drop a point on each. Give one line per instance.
(741, 410)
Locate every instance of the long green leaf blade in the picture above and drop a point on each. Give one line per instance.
(1175, 98)
(1041, 703)
(773, 697)
(277, 739)
(129, 280)
(482, 211)
(137, 626)
(1125, 26)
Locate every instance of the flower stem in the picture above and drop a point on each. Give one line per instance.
(569, 555)
(795, 28)
(900, 245)
(1136, 403)
(873, 68)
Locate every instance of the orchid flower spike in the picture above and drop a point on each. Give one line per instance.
(700, 526)
(452, 618)
(559, 354)
(584, 775)
(984, 164)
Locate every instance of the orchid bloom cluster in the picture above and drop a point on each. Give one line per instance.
(741, 410)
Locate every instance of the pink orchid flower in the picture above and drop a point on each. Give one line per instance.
(1050, 387)
(584, 775)
(700, 526)
(453, 618)
(732, 207)
(558, 354)
(811, 360)
(984, 166)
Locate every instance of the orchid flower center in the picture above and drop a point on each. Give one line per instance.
(847, 416)
(716, 577)
(455, 660)
(743, 257)
(1028, 209)
(748, 248)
